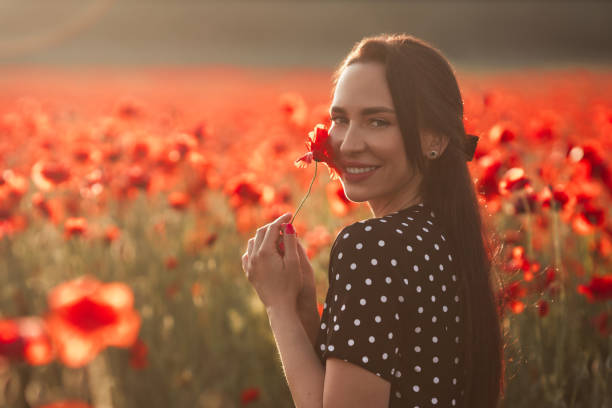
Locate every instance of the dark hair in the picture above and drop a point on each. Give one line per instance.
(426, 96)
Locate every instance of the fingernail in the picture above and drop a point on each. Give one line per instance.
(289, 229)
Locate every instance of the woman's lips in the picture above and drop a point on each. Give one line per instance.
(358, 176)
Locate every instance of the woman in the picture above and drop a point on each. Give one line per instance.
(410, 318)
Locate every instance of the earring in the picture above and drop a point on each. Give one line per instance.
(433, 154)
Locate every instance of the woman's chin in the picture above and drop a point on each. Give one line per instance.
(354, 196)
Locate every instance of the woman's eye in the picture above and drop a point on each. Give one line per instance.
(337, 119)
(379, 122)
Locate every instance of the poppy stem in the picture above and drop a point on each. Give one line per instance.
(306, 196)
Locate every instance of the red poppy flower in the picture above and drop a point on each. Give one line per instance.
(87, 316)
(543, 308)
(319, 150)
(111, 233)
(46, 175)
(249, 395)
(75, 226)
(171, 262)
(244, 190)
(178, 200)
(11, 344)
(25, 339)
(138, 178)
(513, 180)
(138, 355)
(600, 288)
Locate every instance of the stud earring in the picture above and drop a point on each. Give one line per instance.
(433, 154)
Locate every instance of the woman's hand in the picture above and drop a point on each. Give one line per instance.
(276, 278)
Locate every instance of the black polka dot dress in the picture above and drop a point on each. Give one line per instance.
(394, 307)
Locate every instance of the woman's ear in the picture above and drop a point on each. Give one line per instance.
(433, 141)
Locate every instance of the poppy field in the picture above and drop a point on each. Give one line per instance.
(127, 197)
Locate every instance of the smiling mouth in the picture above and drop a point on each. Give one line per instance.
(360, 170)
(360, 175)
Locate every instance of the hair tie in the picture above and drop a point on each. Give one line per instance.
(470, 146)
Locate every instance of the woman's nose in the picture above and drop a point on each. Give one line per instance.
(350, 140)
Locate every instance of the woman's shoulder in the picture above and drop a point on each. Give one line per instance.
(413, 225)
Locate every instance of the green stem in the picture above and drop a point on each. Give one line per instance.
(306, 196)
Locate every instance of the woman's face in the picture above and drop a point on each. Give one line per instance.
(365, 133)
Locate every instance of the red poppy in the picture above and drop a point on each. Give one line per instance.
(11, 344)
(178, 200)
(488, 183)
(513, 180)
(244, 190)
(87, 316)
(511, 295)
(319, 150)
(138, 178)
(600, 288)
(75, 226)
(26, 339)
(249, 395)
(111, 233)
(501, 134)
(46, 175)
(602, 323)
(171, 262)
(138, 355)
(543, 307)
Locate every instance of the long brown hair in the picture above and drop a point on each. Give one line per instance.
(426, 96)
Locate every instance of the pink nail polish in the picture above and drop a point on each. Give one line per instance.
(289, 229)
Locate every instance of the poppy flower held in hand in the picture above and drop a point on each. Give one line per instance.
(319, 150)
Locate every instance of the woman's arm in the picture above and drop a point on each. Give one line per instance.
(311, 320)
(304, 372)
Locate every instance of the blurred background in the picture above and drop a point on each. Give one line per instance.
(283, 33)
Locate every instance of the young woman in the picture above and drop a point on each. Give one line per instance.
(410, 318)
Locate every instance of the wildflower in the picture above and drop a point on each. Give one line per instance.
(25, 339)
(85, 316)
(178, 200)
(513, 180)
(138, 355)
(75, 226)
(600, 288)
(319, 150)
(249, 395)
(111, 233)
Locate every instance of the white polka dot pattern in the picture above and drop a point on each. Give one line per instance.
(394, 307)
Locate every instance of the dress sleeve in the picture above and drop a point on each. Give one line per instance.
(365, 294)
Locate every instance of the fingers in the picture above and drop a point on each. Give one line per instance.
(248, 256)
(303, 257)
(273, 231)
(291, 249)
(259, 236)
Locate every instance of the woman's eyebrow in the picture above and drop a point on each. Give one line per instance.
(364, 111)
